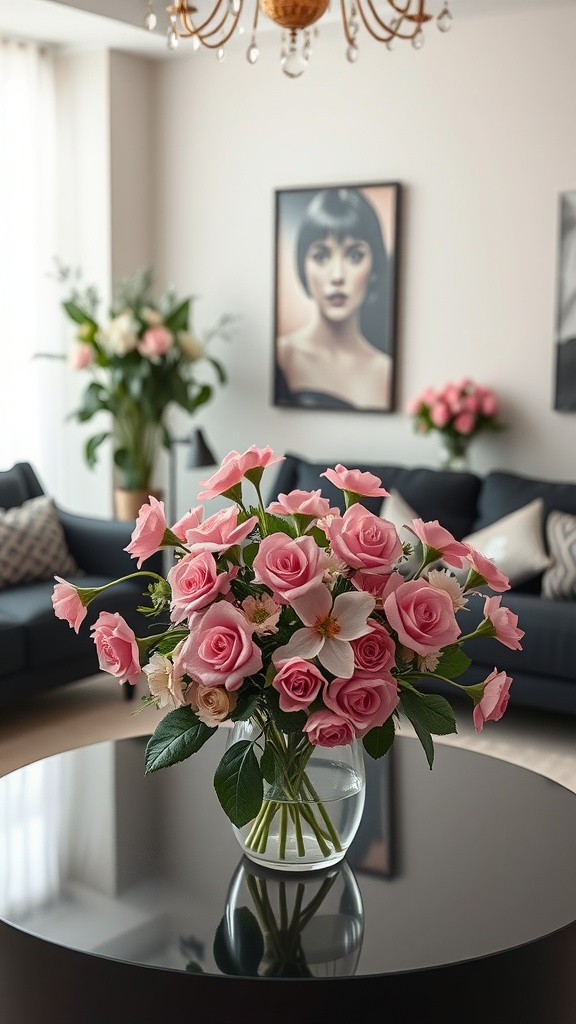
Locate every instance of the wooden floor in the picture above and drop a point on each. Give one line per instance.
(95, 709)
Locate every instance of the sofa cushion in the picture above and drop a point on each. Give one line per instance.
(559, 581)
(548, 644)
(503, 493)
(11, 645)
(32, 543)
(449, 497)
(515, 543)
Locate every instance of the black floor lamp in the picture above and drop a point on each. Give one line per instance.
(199, 456)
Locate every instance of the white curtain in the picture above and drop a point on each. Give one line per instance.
(30, 389)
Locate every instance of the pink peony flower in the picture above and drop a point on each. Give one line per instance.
(328, 629)
(81, 356)
(435, 536)
(504, 622)
(440, 414)
(116, 647)
(298, 682)
(422, 616)
(485, 567)
(327, 729)
(374, 652)
(67, 604)
(219, 532)
(355, 481)
(234, 467)
(464, 423)
(290, 568)
(494, 699)
(148, 533)
(304, 503)
(368, 701)
(365, 541)
(212, 704)
(190, 521)
(195, 583)
(155, 342)
(219, 650)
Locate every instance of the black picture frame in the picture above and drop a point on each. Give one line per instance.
(336, 254)
(565, 333)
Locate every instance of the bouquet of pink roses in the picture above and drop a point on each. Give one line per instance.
(457, 411)
(316, 626)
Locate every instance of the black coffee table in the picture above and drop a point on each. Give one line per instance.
(126, 898)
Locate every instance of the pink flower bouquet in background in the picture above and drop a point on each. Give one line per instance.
(315, 626)
(458, 412)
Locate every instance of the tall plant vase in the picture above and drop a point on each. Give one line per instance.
(127, 504)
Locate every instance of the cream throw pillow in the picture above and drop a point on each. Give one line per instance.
(399, 512)
(515, 543)
(32, 543)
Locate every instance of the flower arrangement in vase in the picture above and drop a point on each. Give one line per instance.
(458, 412)
(309, 630)
(141, 361)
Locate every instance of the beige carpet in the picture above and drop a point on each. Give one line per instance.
(95, 709)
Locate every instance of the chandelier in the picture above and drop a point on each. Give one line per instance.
(385, 20)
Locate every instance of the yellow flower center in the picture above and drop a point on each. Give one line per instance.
(327, 627)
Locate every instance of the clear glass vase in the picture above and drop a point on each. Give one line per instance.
(291, 926)
(454, 453)
(311, 811)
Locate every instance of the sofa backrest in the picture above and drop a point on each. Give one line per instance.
(452, 498)
(18, 484)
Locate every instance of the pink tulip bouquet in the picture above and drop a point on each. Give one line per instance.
(316, 626)
(458, 412)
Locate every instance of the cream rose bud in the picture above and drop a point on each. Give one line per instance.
(120, 336)
(212, 704)
(151, 317)
(191, 347)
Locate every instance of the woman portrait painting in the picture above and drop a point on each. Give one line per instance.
(336, 297)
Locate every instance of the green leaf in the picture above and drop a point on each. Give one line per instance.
(378, 741)
(238, 783)
(453, 663)
(78, 315)
(178, 319)
(243, 955)
(287, 721)
(429, 713)
(179, 735)
(220, 372)
(249, 552)
(92, 445)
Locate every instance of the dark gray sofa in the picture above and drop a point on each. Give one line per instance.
(38, 651)
(544, 671)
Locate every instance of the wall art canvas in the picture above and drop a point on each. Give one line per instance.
(336, 271)
(565, 391)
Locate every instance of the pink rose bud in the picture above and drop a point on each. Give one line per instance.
(494, 699)
(148, 532)
(116, 647)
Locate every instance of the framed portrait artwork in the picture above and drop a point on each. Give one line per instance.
(565, 390)
(336, 269)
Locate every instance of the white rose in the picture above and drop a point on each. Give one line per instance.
(151, 316)
(160, 682)
(120, 336)
(191, 348)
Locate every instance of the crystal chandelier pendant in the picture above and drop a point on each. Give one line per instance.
(252, 53)
(195, 44)
(293, 62)
(418, 40)
(444, 19)
(150, 19)
(221, 55)
(233, 7)
(352, 53)
(172, 37)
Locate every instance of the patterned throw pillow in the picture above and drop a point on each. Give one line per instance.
(32, 543)
(559, 581)
(515, 543)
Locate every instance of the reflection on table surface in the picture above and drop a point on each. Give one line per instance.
(472, 857)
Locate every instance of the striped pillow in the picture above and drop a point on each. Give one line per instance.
(559, 581)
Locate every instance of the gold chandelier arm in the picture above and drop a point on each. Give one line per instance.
(349, 38)
(255, 18)
(203, 31)
(388, 32)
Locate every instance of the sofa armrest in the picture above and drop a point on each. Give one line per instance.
(98, 545)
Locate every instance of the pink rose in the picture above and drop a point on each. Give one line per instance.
(422, 616)
(488, 404)
(234, 467)
(440, 414)
(155, 342)
(494, 699)
(375, 652)
(212, 704)
(219, 650)
(190, 521)
(298, 682)
(327, 729)
(464, 423)
(195, 583)
(365, 541)
(219, 532)
(437, 538)
(116, 647)
(67, 604)
(485, 567)
(504, 622)
(81, 356)
(371, 582)
(368, 701)
(356, 482)
(290, 568)
(148, 533)
(304, 503)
